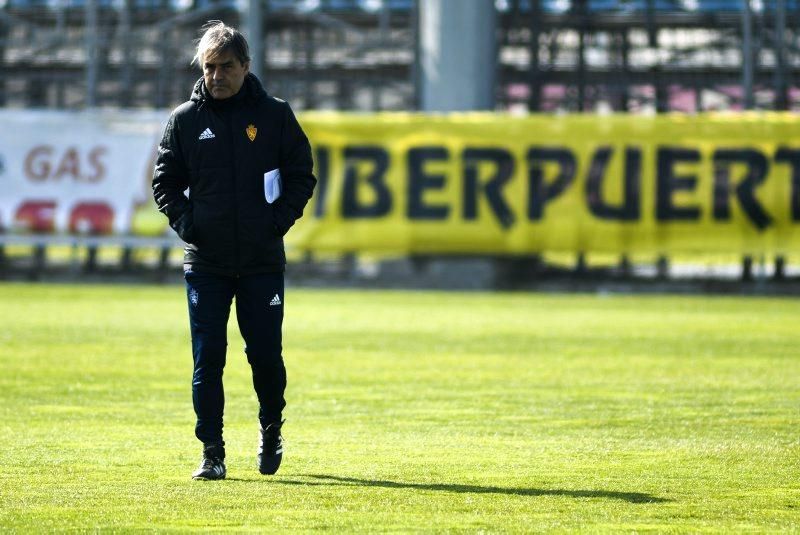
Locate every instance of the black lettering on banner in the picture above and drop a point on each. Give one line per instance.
(792, 157)
(419, 182)
(322, 164)
(630, 208)
(379, 158)
(757, 167)
(493, 189)
(539, 191)
(667, 183)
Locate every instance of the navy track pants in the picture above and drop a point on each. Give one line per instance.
(259, 311)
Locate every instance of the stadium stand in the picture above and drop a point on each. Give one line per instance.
(568, 55)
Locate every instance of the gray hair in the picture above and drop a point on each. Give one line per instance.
(219, 37)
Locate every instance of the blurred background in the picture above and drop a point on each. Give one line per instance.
(79, 76)
(367, 55)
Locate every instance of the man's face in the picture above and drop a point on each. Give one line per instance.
(224, 74)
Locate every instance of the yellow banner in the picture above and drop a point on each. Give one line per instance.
(487, 183)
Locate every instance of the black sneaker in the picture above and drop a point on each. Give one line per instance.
(213, 464)
(270, 449)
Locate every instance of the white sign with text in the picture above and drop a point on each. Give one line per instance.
(75, 172)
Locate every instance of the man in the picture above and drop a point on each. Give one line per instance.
(219, 148)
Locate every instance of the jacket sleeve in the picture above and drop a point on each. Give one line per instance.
(170, 180)
(296, 167)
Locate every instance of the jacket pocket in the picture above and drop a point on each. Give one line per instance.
(183, 226)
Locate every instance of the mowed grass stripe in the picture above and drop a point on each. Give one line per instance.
(408, 411)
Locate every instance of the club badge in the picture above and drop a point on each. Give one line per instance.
(251, 131)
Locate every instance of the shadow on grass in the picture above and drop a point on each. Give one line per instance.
(326, 480)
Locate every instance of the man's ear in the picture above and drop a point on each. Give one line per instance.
(247, 67)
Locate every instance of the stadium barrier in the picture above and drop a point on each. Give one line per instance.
(469, 184)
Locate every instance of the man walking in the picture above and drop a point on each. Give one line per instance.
(233, 174)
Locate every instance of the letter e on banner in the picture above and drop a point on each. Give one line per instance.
(668, 182)
(419, 181)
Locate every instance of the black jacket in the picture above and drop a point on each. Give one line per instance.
(226, 222)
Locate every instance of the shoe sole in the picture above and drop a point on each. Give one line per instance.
(270, 468)
(201, 478)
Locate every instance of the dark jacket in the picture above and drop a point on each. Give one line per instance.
(226, 222)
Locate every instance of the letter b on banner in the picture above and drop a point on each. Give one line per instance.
(353, 205)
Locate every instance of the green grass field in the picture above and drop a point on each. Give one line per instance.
(409, 411)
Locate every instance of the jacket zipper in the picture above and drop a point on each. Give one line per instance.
(235, 195)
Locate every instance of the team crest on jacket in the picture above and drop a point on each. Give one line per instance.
(251, 131)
